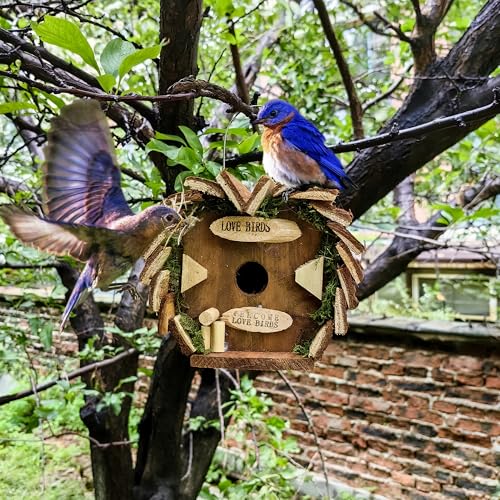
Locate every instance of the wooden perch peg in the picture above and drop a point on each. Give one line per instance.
(208, 316)
(218, 336)
(206, 331)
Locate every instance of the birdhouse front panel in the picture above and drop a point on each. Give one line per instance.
(252, 283)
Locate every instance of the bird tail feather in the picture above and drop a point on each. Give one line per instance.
(80, 292)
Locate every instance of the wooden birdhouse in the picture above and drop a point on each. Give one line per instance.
(261, 280)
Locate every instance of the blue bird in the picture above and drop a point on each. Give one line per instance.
(295, 153)
(86, 215)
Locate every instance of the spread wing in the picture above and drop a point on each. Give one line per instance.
(60, 237)
(47, 236)
(81, 181)
(305, 137)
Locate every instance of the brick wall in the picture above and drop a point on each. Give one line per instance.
(410, 421)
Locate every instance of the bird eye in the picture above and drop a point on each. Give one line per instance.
(169, 218)
(273, 113)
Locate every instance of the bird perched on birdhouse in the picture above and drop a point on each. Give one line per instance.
(295, 153)
(86, 215)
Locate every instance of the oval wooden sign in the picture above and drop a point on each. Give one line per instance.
(257, 319)
(256, 229)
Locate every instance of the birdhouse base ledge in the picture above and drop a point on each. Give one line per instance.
(252, 360)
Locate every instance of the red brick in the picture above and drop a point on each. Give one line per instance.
(427, 486)
(393, 369)
(463, 364)
(493, 382)
(450, 463)
(402, 478)
(469, 425)
(444, 406)
(331, 371)
(470, 380)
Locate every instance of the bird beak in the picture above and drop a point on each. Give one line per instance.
(258, 121)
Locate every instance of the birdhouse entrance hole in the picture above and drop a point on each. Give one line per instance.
(251, 278)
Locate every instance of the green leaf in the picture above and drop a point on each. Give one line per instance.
(248, 144)
(179, 180)
(67, 35)
(114, 54)
(192, 139)
(138, 57)
(107, 82)
(170, 137)
(160, 147)
(12, 107)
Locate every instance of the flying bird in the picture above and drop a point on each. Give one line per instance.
(86, 215)
(295, 153)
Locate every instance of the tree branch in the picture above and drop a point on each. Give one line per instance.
(238, 70)
(354, 102)
(466, 120)
(69, 376)
(407, 244)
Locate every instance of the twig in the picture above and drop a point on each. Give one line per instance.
(74, 374)
(219, 405)
(424, 239)
(399, 32)
(367, 22)
(388, 92)
(311, 426)
(354, 102)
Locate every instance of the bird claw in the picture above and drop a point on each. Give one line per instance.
(285, 195)
(127, 287)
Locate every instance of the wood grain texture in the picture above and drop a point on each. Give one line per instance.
(158, 289)
(340, 316)
(332, 212)
(348, 286)
(253, 361)
(204, 186)
(207, 317)
(223, 258)
(257, 319)
(346, 237)
(350, 261)
(321, 340)
(183, 340)
(260, 192)
(167, 312)
(310, 276)
(192, 273)
(154, 263)
(235, 190)
(316, 194)
(255, 229)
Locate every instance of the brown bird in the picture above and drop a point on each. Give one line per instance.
(86, 215)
